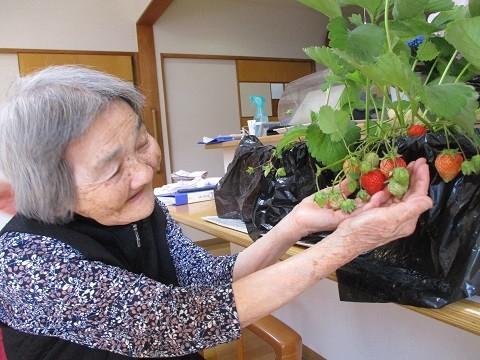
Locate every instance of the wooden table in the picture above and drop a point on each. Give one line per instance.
(463, 314)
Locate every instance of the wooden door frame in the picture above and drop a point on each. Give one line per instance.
(146, 75)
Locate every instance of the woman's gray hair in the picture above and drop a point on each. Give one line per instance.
(43, 113)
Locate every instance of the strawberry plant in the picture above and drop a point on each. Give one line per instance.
(404, 63)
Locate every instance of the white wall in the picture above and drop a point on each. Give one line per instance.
(343, 330)
(101, 25)
(265, 28)
(275, 28)
(8, 73)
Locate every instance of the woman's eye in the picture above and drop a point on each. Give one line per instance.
(117, 172)
(143, 144)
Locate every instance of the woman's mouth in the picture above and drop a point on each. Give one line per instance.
(136, 195)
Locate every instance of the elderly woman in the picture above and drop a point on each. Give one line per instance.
(93, 267)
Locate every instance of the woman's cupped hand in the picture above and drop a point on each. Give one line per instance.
(379, 221)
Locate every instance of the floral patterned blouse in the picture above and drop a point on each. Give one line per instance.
(49, 288)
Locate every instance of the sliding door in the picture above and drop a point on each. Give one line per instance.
(201, 100)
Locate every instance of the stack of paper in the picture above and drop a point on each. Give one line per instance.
(186, 192)
(182, 175)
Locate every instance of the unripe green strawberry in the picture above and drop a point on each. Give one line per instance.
(396, 189)
(468, 168)
(365, 167)
(401, 175)
(335, 199)
(476, 163)
(348, 206)
(351, 167)
(321, 198)
(352, 185)
(363, 195)
(372, 158)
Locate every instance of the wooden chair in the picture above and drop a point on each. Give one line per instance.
(285, 342)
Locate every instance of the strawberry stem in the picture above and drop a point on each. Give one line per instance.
(459, 146)
(446, 136)
(328, 94)
(462, 72)
(367, 110)
(434, 65)
(374, 105)
(387, 25)
(447, 69)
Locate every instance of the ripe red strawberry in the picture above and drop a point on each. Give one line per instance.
(373, 181)
(387, 165)
(416, 130)
(448, 164)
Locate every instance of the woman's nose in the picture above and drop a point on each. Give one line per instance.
(142, 174)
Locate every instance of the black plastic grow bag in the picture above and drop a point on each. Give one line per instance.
(440, 262)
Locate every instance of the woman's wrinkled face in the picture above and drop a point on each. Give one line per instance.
(113, 165)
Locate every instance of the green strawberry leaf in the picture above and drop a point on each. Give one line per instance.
(328, 8)
(314, 117)
(409, 28)
(333, 122)
(366, 42)
(474, 7)
(427, 51)
(454, 102)
(290, 136)
(406, 9)
(391, 70)
(374, 7)
(434, 6)
(338, 33)
(445, 17)
(326, 56)
(464, 35)
(352, 97)
(356, 19)
(446, 50)
(332, 80)
(326, 151)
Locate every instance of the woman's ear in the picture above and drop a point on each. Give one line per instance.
(7, 198)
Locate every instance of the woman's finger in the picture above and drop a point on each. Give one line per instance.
(411, 208)
(377, 200)
(419, 180)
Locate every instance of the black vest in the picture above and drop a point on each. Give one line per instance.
(112, 245)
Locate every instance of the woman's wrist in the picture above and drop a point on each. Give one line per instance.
(289, 229)
(333, 252)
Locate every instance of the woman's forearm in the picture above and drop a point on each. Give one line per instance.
(266, 290)
(266, 250)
